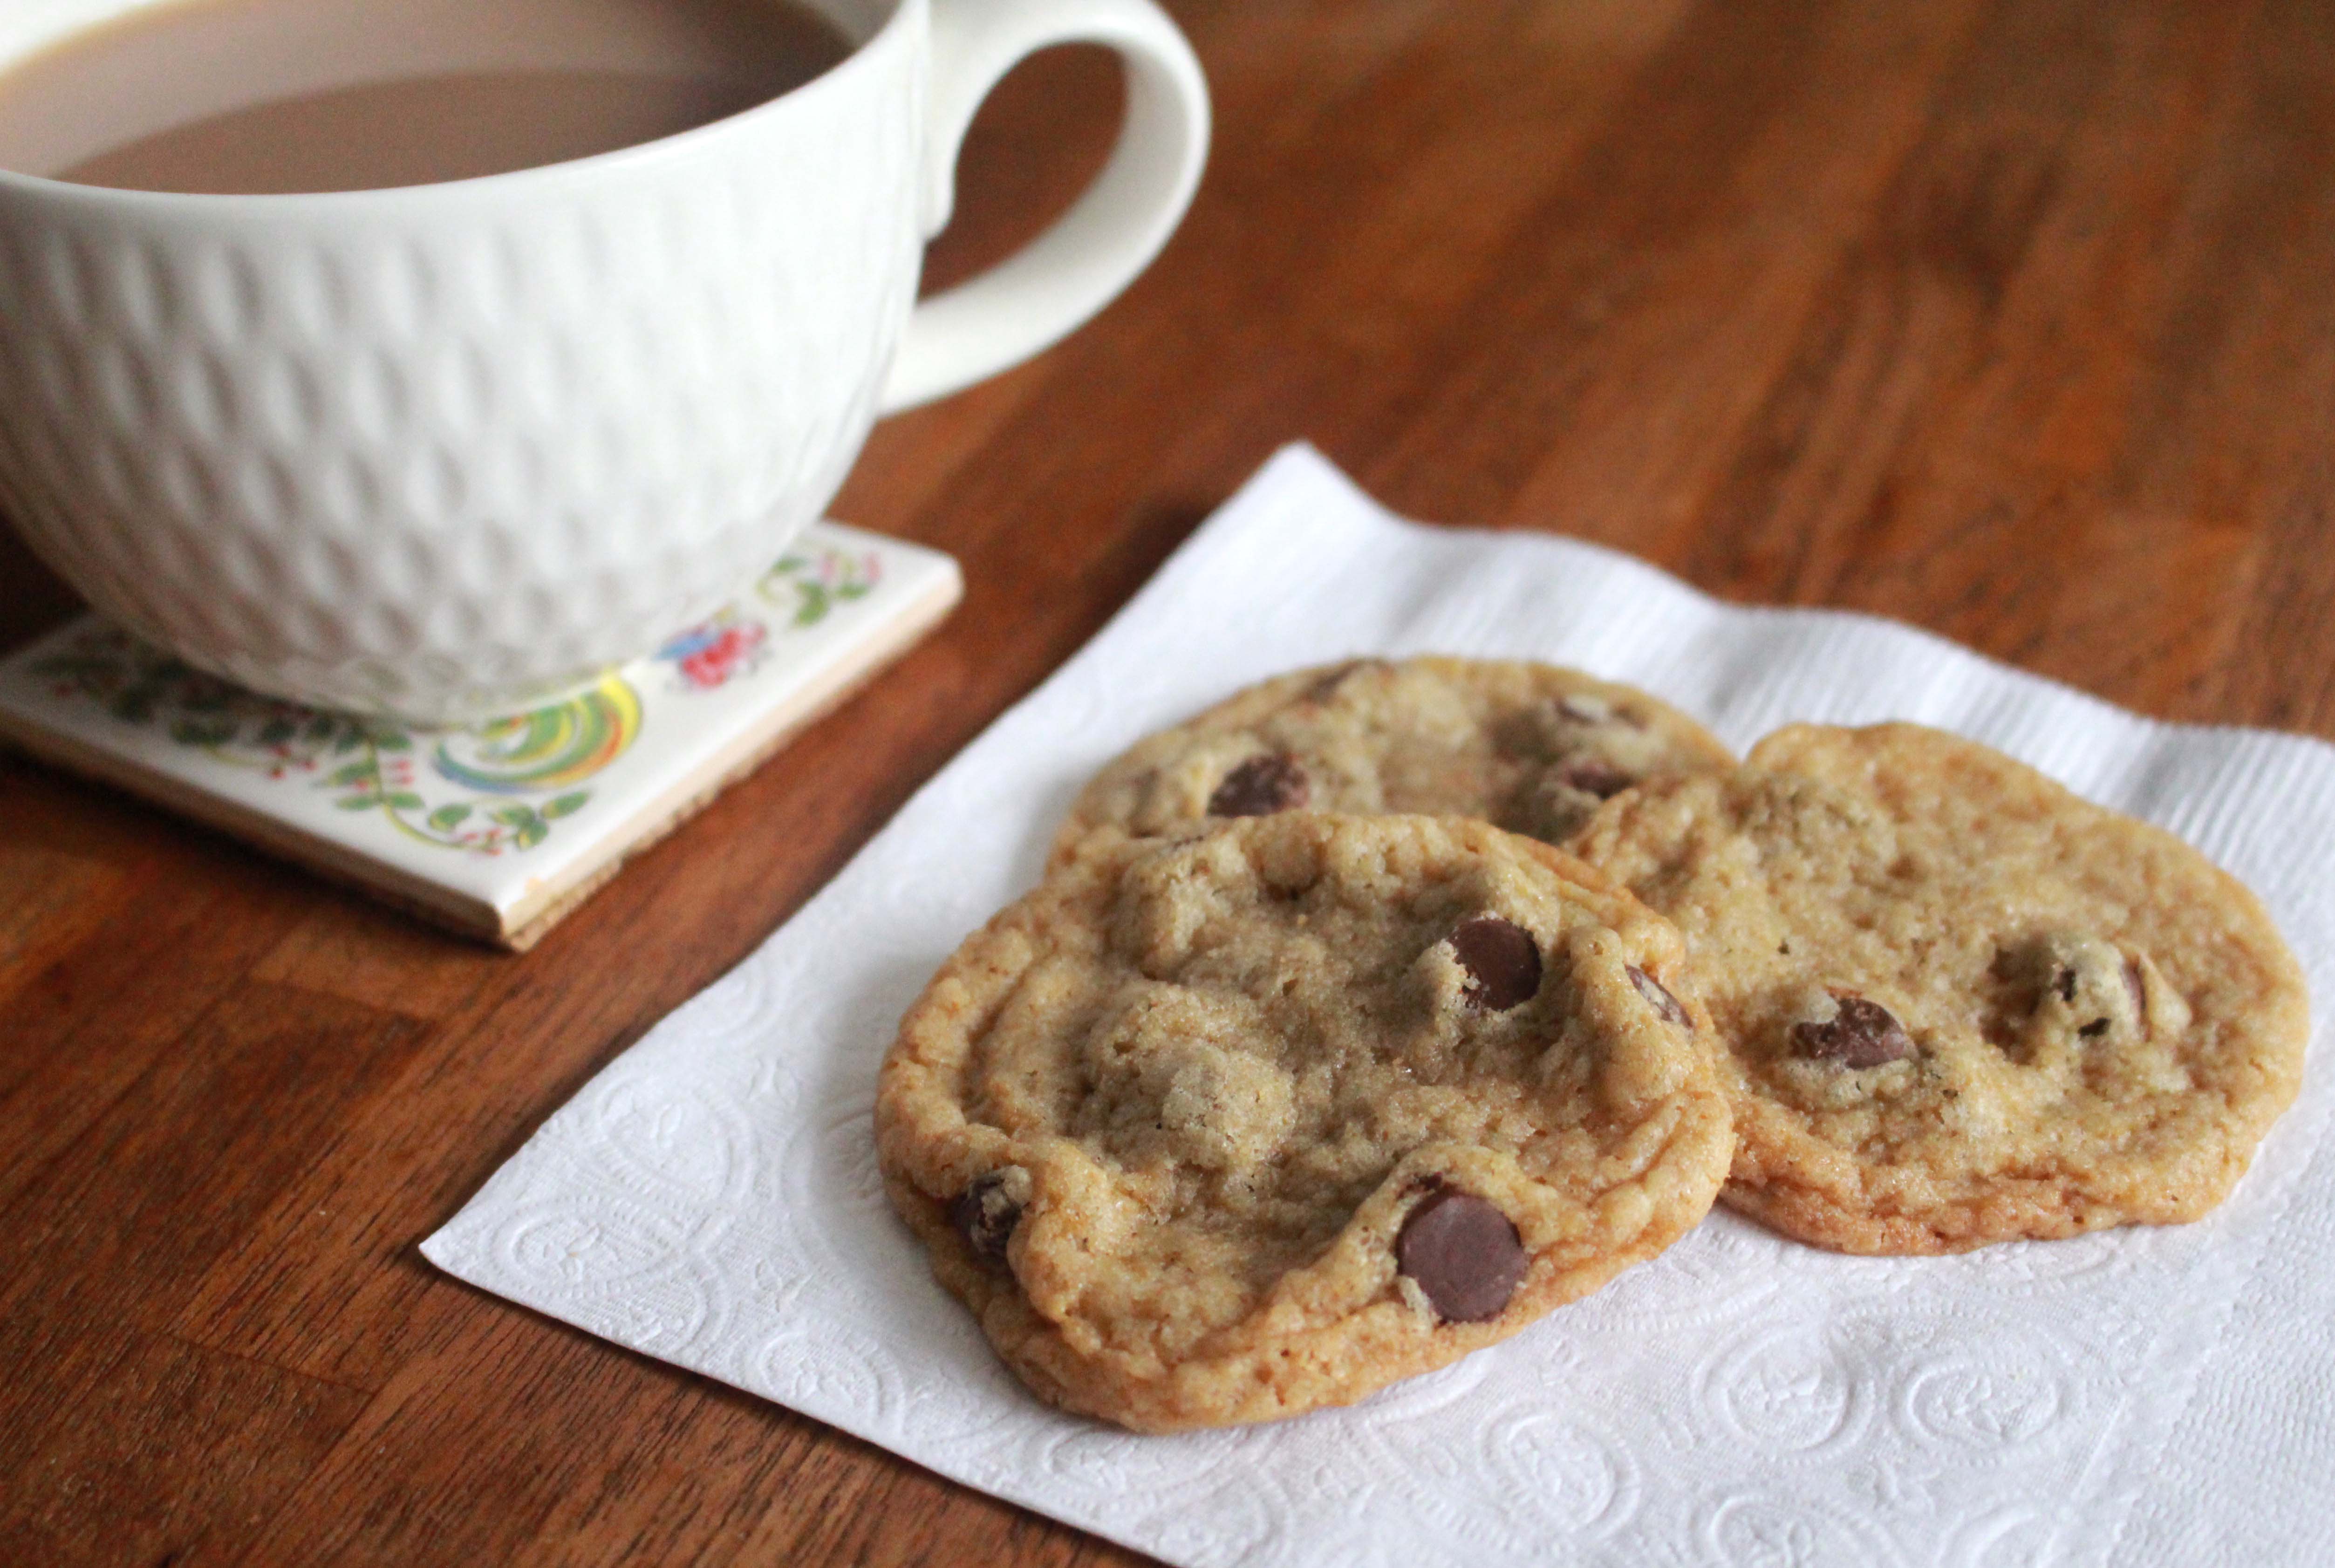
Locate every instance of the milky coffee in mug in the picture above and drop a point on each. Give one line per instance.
(257, 97)
(448, 450)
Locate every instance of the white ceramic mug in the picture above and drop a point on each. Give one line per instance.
(446, 451)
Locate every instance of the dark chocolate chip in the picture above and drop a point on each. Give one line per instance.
(985, 1216)
(1464, 1253)
(1593, 776)
(1261, 786)
(1861, 1034)
(1502, 960)
(2094, 1030)
(1658, 996)
(2065, 985)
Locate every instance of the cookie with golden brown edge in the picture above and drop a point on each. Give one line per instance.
(1963, 1005)
(1228, 1127)
(1531, 748)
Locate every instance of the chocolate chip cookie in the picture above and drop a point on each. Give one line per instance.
(1963, 1005)
(1226, 1127)
(1531, 748)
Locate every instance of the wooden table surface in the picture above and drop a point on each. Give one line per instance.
(2014, 320)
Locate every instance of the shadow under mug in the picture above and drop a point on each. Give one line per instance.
(445, 451)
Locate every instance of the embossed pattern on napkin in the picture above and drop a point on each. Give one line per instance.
(2138, 1396)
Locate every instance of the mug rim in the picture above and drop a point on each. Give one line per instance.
(826, 84)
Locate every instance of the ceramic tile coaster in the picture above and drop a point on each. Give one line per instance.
(497, 829)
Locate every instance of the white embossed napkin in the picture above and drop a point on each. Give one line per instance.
(2148, 1396)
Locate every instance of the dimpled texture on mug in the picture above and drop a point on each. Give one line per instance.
(377, 464)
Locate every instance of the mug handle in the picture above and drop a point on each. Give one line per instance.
(1046, 290)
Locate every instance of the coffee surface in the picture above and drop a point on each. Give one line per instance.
(255, 97)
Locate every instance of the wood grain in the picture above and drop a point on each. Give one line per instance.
(2010, 318)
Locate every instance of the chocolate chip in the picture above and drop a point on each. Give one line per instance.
(985, 1216)
(2065, 985)
(1464, 1253)
(1261, 786)
(1594, 776)
(2094, 1030)
(1861, 1034)
(1502, 960)
(1658, 996)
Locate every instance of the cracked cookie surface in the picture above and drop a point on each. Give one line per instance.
(1531, 748)
(1962, 1004)
(1228, 1127)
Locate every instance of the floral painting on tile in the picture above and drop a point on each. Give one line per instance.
(491, 789)
(707, 657)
